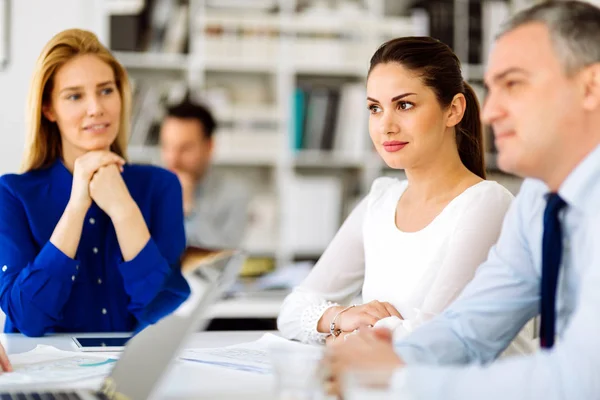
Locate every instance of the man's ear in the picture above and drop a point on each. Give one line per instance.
(591, 87)
(456, 110)
(48, 113)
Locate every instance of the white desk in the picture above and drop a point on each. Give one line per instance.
(247, 307)
(185, 380)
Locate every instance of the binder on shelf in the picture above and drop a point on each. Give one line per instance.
(331, 119)
(299, 118)
(316, 117)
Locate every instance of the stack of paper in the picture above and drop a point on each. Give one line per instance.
(46, 365)
(249, 357)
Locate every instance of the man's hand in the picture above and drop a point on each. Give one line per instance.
(4, 362)
(367, 349)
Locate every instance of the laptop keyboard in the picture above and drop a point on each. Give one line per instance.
(46, 396)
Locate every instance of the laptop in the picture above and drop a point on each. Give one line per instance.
(138, 373)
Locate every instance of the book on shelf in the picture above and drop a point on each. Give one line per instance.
(125, 32)
(176, 30)
(159, 26)
(160, 13)
(149, 103)
(317, 118)
(483, 18)
(475, 32)
(441, 19)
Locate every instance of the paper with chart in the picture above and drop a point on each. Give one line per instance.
(249, 357)
(47, 365)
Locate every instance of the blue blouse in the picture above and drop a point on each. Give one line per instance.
(42, 290)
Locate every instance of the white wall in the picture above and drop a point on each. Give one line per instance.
(33, 23)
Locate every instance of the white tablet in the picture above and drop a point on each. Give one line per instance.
(101, 343)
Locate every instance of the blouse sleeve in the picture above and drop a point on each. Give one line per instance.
(35, 283)
(336, 279)
(153, 278)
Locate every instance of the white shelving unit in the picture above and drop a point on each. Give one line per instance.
(280, 60)
(153, 61)
(283, 46)
(286, 50)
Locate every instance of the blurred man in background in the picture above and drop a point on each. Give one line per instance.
(215, 207)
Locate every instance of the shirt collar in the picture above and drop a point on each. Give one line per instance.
(575, 189)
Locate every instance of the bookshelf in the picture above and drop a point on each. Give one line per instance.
(251, 67)
(266, 54)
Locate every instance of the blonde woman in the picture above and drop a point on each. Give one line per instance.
(87, 241)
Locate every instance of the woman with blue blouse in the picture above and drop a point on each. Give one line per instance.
(88, 243)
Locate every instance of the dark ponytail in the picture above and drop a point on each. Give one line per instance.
(469, 135)
(439, 69)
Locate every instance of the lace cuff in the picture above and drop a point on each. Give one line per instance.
(309, 320)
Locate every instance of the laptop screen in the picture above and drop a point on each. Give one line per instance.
(149, 354)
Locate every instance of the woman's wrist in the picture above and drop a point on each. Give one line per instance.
(76, 209)
(67, 233)
(325, 321)
(123, 210)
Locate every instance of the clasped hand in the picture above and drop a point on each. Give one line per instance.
(97, 177)
(363, 315)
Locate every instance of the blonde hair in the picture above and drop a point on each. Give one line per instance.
(43, 145)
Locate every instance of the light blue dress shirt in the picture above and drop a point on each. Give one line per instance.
(504, 295)
(220, 214)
